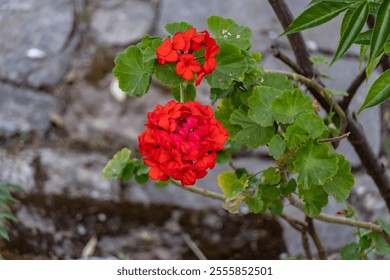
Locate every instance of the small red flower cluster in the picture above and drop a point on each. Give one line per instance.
(181, 141)
(180, 50)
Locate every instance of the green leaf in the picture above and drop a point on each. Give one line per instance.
(271, 176)
(224, 156)
(217, 93)
(134, 76)
(318, 59)
(252, 134)
(295, 136)
(289, 105)
(339, 186)
(175, 27)
(314, 164)
(226, 30)
(189, 93)
(387, 48)
(362, 54)
(381, 31)
(231, 185)
(167, 74)
(289, 187)
(7, 215)
(354, 25)
(335, 92)
(114, 167)
(350, 251)
(225, 109)
(276, 146)
(255, 203)
(315, 198)
(312, 124)
(378, 92)
(364, 37)
(385, 225)
(260, 105)
(148, 47)
(371, 65)
(231, 66)
(315, 15)
(277, 81)
(381, 245)
(4, 233)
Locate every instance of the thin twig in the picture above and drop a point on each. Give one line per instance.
(352, 89)
(316, 86)
(302, 228)
(194, 248)
(317, 242)
(201, 191)
(276, 52)
(334, 139)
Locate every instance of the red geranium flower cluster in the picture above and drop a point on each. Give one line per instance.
(180, 50)
(181, 141)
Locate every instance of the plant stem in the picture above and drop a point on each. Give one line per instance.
(200, 191)
(334, 139)
(316, 86)
(182, 97)
(317, 242)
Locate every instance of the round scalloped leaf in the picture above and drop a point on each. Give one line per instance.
(312, 123)
(276, 146)
(315, 198)
(260, 105)
(231, 185)
(175, 27)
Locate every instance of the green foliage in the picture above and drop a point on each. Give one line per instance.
(378, 92)
(226, 30)
(189, 93)
(276, 146)
(6, 198)
(318, 59)
(314, 198)
(133, 74)
(350, 251)
(174, 27)
(122, 167)
(231, 185)
(260, 105)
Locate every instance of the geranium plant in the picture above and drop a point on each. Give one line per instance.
(184, 138)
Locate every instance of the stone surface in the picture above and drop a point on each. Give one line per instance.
(25, 111)
(49, 34)
(121, 22)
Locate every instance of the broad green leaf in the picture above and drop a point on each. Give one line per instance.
(189, 93)
(231, 185)
(260, 105)
(224, 156)
(114, 167)
(381, 31)
(167, 74)
(231, 66)
(318, 59)
(339, 186)
(217, 93)
(350, 251)
(148, 47)
(252, 134)
(226, 30)
(314, 164)
(255, 203)
(295, 136)
(277, 81)
(271, 176)
(353, 25)
(276, 146)
(312, 124)
(4, 233)
(315, 198)
(175, 27)
(385, 225)
(134, 76)
(225, 109)
(271, 198)
(378, 92)
(315, 15)
(289, 105)
(288, 188)
(381, 246)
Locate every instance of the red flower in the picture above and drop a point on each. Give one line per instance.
(166, 52)
(187, 66)
(181, 141)
(181, 41)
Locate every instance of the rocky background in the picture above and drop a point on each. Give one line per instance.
(62, 118)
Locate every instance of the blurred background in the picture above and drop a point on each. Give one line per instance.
(62, 118)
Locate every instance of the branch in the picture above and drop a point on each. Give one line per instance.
(334, 139)
(200, 191)
(286, 60)
(316, 239)
(352, 89)
(317, 87)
